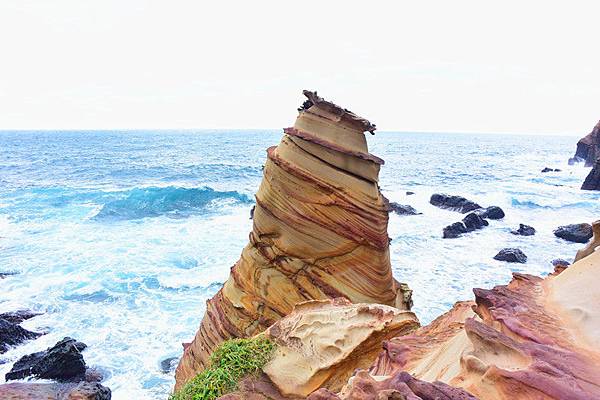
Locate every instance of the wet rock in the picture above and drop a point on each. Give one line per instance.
(168, 365)
(546, 169)
(409, 193)
(560, 262)
(578, 233)
(54, 391)
(511, 255)
(7, 273)
(11, 334)
(592, 181)
(61, 362)
(473, 221)
(524, 230)
(453, 203)
(16, 317)
(454, 230)
(492, 212)
(252, 212)
(403, 209)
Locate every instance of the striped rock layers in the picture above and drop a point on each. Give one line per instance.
(319, 232)
(531, 339)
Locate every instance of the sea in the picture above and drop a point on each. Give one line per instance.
(120, 237)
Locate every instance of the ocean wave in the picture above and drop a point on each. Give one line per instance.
(557, 205)
(172, 201)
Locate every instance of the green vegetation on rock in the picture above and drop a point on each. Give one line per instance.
(230, 362)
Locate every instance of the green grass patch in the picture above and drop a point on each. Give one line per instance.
(229, 363)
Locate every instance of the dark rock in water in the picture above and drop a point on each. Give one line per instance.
(511, 255)
(7, 273)
(16, 317)
(168, 365)
(61, 362)
(492, 212)
(454, 230)
(408, 193)
(403, 209)
(588, 148)
(524, 230)
(54, 391)
(473, 221)
(12, 334)
(252, 212)
(560, 262)
(454, 203)
(592, 181)
(578, 233)
(546, 169)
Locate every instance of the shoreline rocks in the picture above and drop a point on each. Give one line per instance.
(491, 212)
(512, 255)
(403, 209)
(319, 232)
(11, 333)
(453, 203)
(524, 230)
(577, 233)
(588, 148)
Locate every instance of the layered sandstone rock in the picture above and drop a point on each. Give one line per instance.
(588, 148)
(532, 339)
(319, 232)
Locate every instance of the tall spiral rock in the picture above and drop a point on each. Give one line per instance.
(319, 231)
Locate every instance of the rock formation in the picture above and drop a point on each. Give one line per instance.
(592, 245)
(592, 181)
(403, 209)
(532, 339)
(578, 233)
(588, 148)
(524, 230)
(319, 231)
(453, 203)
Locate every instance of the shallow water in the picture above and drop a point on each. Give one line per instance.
(121, 237)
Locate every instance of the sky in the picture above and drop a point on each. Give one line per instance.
(447, 66)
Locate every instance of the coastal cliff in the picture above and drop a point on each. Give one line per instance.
(319, 232)
(588, 148)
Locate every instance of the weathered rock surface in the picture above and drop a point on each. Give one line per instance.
(454, 230)
(469, 223)
(61, 362)
(592, 244)
(403, 209)
(588, 148)
(511, 255)
(453, 203)
(578, 233)
(321, 343)
(524, 230)
(319, 232)
(11, 334)
(592, 181)
(18, 316)
(54, 391)
(532, 339)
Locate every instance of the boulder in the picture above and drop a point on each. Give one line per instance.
(453, 203)
(61, 362)
(409, 193)
(454, 230)
(473, 221)
(511, 255)
(319, 231)
(588, 148)
(11, 334)
(402, 209)
(578, 233)
(4, 274)
(524, 230)
(492, 212)
(592, 181)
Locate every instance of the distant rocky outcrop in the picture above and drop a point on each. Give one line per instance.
(578, 233)
(592, 181)
(512, 255)
(524, 230)
(319, 232)
(453, 203)
(588, 148)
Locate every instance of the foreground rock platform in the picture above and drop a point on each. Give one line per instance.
(319, 232)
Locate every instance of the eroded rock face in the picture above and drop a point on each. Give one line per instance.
(588, 148)
(592, 181)
(532, 339)
(321, 343)
(319, 232)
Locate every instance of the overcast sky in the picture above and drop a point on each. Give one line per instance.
(452, 66)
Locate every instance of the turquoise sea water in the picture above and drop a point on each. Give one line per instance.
(121, 237)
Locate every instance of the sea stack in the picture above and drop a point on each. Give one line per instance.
(319, 232)
(588, 148)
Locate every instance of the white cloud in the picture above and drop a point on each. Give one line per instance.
(510, 66)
